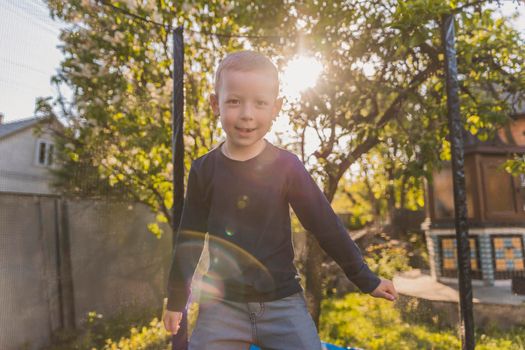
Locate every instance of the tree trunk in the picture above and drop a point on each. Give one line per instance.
(313, 274)
(314, 264)
(391, 194)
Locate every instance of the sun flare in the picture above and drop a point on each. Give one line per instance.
(300, 74)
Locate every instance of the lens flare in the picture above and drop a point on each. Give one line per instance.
(242, 201)
(229, 264)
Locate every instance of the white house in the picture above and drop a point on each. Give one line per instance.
(26, 154)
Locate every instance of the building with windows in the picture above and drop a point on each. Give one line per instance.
(495, 210)
(27, 152)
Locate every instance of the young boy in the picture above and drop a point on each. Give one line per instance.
(239, 193)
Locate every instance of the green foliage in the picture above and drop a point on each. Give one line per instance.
(381, 90)
(516, 165)
(119, 69)
(355, 320)
(418, 255)
(361, 321)
(135, 328)
(383, 86)
(377, 183)
(128, 330)
(387, 259)
(152, 337)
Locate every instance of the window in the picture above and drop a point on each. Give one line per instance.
(508, 259)
(449, 264)
(44, 153)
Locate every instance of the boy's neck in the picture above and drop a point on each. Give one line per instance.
(244, 152)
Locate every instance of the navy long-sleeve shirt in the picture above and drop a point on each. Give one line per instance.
(245, 208)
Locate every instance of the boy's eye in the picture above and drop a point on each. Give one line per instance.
(262, 103)
(232, 101)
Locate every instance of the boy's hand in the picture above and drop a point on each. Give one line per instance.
(172, 320)
(385, 290)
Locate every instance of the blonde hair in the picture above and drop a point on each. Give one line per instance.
(246, 61)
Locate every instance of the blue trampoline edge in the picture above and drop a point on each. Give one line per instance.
(326, 346)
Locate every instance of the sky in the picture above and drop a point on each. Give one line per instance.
(29, 55)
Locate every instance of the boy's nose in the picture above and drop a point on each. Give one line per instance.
(247, 112)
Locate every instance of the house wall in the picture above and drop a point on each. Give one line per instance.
(60, 259)
(19, 171)
(486, 254)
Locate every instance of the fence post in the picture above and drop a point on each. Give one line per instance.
(458, 175)
(179, 340)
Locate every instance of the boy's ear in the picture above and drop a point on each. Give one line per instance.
(214, 102)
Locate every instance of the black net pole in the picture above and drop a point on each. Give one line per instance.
(179, 340)
(458, 174)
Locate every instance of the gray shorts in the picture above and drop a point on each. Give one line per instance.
(283, 324)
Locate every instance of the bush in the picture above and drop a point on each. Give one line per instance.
(153, 337)
(139, 326)
(129, 330)
(387, 258)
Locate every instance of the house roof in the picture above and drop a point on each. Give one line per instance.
(7, 129)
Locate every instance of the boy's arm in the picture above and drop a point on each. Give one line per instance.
(188, 248)
(317, 216)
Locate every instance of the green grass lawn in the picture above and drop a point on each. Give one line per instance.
(355, 320)
(361, 321)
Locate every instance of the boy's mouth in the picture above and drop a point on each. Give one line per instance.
(245, 129)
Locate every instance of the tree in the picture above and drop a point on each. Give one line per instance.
(381, 91)
(118, 141)
(383, 84)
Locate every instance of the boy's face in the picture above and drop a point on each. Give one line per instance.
(247, 104)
